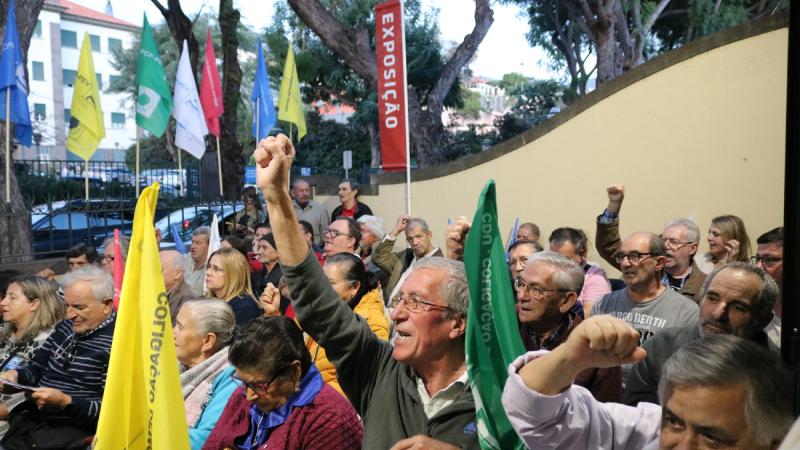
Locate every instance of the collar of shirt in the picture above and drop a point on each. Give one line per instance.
(430, 253)
(443, 398)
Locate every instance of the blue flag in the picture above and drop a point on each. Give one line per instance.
(12, 78)
(179, 246)
(264, 116)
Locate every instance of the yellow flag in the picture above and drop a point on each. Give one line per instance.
(142, 404)
(86, 126)
(290, 106)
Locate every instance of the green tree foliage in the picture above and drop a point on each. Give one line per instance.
(322, 149)
(532, 107)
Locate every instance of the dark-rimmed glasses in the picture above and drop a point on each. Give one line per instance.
(257, 387)
(767, 261)
(633, 257)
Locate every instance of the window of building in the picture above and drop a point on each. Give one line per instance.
(39, 111)
(69, 77)
(113, 80)
(37, 30)
(99, 81)
(114, 44)
(67, 116)
(69, 39)
(117, 120)
(38, 70)
(95, 41)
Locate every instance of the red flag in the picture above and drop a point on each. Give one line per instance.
(210, 89)
(392, 106)
(119, 268)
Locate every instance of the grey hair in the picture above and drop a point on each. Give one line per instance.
(767, 296)
(374, 224)
(722, 359)
(213, 316)
(176, 260)
(124, 242)
(202, 231)
(692, 232)
(454, 288)
(569, 275)
(417, 222)
(100, 281)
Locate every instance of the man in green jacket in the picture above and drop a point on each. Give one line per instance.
(414, 394)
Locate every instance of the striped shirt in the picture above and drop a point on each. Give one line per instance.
(76, 365)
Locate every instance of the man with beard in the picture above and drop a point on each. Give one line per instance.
(307, 209)
(645, 303)
(681, 239)
(737, 299)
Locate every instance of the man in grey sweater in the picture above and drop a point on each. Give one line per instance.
(413, 394)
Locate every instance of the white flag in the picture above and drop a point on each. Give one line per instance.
(214, 244)
(191, 129)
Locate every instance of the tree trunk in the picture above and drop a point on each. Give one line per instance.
(231, 149)
(15, 221)
(180, 27)
(352, 45)
(374, 144)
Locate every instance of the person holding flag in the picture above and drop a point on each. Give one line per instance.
(264, 116)
(14, 98)
(290, 105)
(153, 100)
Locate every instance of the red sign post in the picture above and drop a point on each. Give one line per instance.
(392, 93)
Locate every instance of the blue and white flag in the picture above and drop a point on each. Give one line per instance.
(12, 78)
(191, 129)
(176, 236)
(264, 116)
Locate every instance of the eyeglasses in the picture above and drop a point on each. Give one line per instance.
(674, 244)
(259, 388)
(414, 304)
(767, 261)
(108, 258)
(522, 260)
(533, 290)
(333, 234)
(633, 257)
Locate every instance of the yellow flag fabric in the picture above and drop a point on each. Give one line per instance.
(142, 405)
(86, 125)
(290, 105)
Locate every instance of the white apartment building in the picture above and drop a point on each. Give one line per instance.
(52, 65)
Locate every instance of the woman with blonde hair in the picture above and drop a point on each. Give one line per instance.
(31, 309)
(727, 242)
(228, 278)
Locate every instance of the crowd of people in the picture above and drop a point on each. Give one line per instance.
(307, 330)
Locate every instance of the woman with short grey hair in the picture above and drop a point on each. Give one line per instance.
(203, 331)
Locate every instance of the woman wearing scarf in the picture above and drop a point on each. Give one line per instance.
(283, 402)
(203, 331)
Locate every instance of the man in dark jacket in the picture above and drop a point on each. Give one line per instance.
(350, 207)
(737, 299)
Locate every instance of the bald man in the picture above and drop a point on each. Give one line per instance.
(172, 269)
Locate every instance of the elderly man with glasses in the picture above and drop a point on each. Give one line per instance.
(547, 291)
(413, 394)
(645, 304)
(681, 239)
(68, 372)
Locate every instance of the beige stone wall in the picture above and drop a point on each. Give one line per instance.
(700, 138)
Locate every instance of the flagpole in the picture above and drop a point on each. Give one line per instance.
(8, 144)
(86, 178)
(137, 161)
(219, 170)
(258, 117)
(180, 174)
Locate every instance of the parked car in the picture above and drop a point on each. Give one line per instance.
(188, 219)
(170, 177)
(82, 221)
(40, 211)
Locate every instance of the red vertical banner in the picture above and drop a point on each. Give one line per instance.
(392, 104)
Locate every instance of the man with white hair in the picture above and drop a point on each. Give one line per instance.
(195, 261)
(371, 233)
(69, 371)
(173, 269)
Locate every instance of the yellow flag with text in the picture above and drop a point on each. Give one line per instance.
(290, 105)
(142, 405)
(86, 125)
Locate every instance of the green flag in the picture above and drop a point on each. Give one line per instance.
(153, 99)
(493, 339)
